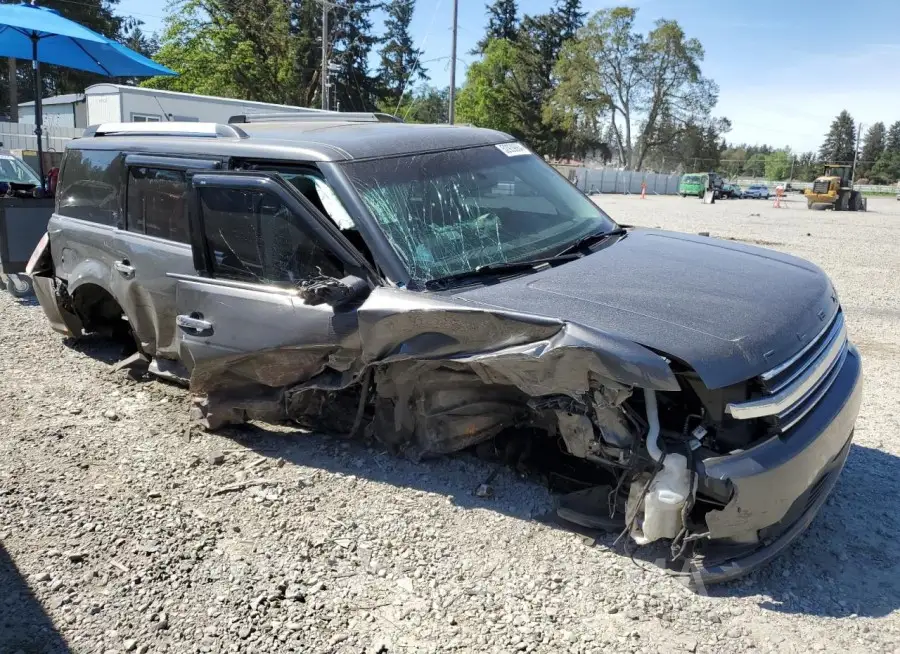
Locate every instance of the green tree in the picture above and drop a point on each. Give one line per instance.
(497, 92)
(218, 49)
(806, 167)
(651, 80)
(887, 169)
(892, 141)
(756, 165)
(503, 23)
(425, 104)
(733, 160)
(778, 165)
(569, 17)
(873, 148)
(356, 89)
(306, 35)
(840, 142)
(400, 59)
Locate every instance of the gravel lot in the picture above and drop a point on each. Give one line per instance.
(121, 529)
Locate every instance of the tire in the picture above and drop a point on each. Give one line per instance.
(842, 203)
(19, 285)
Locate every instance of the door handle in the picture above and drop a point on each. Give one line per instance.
(193, 325)
(124, 268)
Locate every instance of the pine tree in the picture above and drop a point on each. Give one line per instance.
(840, 142)
(306, 32)
(400, 60)
(892, 142)
(872, 149)
(503, 23)
(355, 88)
(569, 17)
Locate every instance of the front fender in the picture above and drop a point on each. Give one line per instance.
(539, 355)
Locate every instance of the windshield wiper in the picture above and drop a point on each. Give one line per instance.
(596, 237)
(441, 283)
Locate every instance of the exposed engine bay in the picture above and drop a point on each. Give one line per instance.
(624, 457)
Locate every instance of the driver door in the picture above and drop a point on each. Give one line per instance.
(240, 318)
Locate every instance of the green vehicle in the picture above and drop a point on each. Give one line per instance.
(693, 184)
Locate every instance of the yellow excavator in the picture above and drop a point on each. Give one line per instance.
(834, 188)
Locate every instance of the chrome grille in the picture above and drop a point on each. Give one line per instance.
(793, 388)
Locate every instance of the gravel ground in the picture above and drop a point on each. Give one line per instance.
(122, 529)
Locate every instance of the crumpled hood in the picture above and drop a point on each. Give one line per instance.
(727, 310)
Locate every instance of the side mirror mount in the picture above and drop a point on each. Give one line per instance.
(334, 292)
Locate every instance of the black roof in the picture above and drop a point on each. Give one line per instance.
(310, 141)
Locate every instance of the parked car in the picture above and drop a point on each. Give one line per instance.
(16, 176)
(731, 191)
(444, 288)
(757, 191)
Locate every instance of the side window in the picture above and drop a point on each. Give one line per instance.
(253, 236)
(157, 203)
(89, 185)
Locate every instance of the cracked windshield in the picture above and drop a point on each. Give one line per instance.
(450, 212)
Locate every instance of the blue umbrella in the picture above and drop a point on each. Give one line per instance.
(44, 35)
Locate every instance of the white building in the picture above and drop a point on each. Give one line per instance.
(113, 103)
(59, 111)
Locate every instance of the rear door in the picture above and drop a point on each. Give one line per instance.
(240, 317)
(153, 239)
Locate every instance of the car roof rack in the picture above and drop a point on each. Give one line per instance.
(316, 116)
(203, 130)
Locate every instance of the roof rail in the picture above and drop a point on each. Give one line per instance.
(204, 130)
(316, 116)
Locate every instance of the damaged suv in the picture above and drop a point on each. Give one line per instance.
(443, 288)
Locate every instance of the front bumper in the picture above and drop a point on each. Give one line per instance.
(779, 485)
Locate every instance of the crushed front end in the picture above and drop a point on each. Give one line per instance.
(729, 477)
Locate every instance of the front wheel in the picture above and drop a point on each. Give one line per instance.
(19, 285)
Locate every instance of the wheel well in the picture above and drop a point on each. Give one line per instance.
(98, 311)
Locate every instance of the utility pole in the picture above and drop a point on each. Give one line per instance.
(855, 154)
(325, 55)
(452, 113)
(793, 158)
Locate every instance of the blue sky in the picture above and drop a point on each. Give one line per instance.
(784, 68)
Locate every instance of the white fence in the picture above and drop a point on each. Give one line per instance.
(20, 136)
(865, 188)
(610, 180)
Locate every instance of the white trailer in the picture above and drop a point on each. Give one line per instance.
(114, 103)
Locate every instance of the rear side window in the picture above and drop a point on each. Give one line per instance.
(157, 203)
(89, 185)
(252, 236)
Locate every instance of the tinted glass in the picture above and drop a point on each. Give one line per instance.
(89, 185)
(450, 212)
(157, 203)
(252, 236)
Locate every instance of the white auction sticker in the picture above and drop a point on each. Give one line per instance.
(513, 149)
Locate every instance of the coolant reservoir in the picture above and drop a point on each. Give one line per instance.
(664, 501)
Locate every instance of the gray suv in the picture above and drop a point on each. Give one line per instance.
(443, 288)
